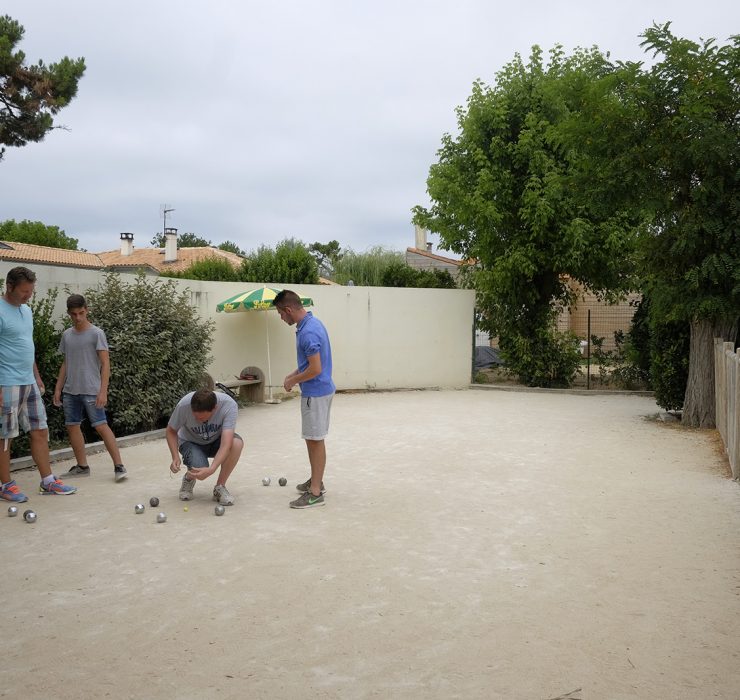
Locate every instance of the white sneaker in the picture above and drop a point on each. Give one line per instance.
(186, 488)
(221, 494)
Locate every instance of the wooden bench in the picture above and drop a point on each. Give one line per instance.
(251, 390)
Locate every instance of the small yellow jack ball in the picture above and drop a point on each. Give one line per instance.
(185, 509)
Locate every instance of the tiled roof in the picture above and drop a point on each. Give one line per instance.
(27, 252)
(427, 254)
(154, 258)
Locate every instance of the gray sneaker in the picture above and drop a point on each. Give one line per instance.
(77, 470)
(222, 495)
(308, 500)
(119, 472)
(186, 488)
(306, 485)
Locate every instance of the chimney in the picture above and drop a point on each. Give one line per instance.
(421, 238)
(170, 245)
(127, 244)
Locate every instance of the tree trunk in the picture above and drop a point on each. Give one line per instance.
(699, 402)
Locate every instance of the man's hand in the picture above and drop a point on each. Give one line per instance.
(175, 466)
(289, 383)
(201, 472)
(101, 399)
(57, 400)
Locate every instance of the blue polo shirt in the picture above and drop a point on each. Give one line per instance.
(16, 345)
(312, 338)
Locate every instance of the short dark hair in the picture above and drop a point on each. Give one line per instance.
(18, 275)
(289, 299)
(203, 400)
(76, 301)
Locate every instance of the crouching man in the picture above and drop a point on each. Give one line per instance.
(202, 427)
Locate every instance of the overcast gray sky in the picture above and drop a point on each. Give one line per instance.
(258, 121)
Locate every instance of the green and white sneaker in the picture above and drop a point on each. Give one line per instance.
(306, 486)
(308, 500)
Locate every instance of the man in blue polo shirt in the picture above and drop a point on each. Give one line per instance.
(317, 390)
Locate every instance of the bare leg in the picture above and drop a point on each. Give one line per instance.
(40, 451)
(317, 458)
(230, 462)
(109, 440)
(77, 441)
(5, 461)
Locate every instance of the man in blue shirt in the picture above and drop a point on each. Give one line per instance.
(317, 390)
(21, 387)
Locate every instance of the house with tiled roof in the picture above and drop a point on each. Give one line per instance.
(27, 253)
(421, 257)
(158, 260)
(152, 261)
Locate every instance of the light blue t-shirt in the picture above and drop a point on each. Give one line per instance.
(17, 352)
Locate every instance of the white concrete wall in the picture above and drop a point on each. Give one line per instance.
(382, 338)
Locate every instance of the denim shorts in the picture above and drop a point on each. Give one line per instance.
(75, 404)
(196, 456)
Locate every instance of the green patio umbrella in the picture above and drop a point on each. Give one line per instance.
(261, 299)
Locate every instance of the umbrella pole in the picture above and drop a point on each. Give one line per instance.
(269, 367)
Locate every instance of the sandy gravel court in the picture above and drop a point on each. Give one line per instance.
(474, 544)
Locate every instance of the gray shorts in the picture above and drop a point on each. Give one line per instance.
(315, 412)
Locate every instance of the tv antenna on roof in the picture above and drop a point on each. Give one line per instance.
(165, 209)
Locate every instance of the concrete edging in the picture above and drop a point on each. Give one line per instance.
(576, 392)
(93, 448)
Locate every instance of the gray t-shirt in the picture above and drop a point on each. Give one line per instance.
(191, 430)
(80, 350)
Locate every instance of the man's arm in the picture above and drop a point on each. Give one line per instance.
(39, 381)
(227, 440)
(313, 370)
(60, 383)
(171, 436)
(102, 397)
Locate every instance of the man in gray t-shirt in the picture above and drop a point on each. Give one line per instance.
(82, 386)
(201, 426)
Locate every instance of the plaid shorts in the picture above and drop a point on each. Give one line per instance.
(23, 409)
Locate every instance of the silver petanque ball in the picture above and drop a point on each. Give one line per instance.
(12, 511)
(282, 481)
(161, 517)
(29, 516)
(266, 481)
(219, 510)
(139, 508)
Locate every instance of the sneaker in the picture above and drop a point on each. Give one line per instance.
(11, 492)
(57, 488)
(119, 472)
(186, 488)
(306, 486)
(308, 500)
(222, 495)
(77, 470)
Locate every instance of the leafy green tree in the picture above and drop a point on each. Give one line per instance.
(326, 255)
(289, 262)
(231, 247)
(184, 240)
(502, 194)
(159, 348)
(365, 269)
(31, 95)
(686, 137)
(37, 233)
(213, 268)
